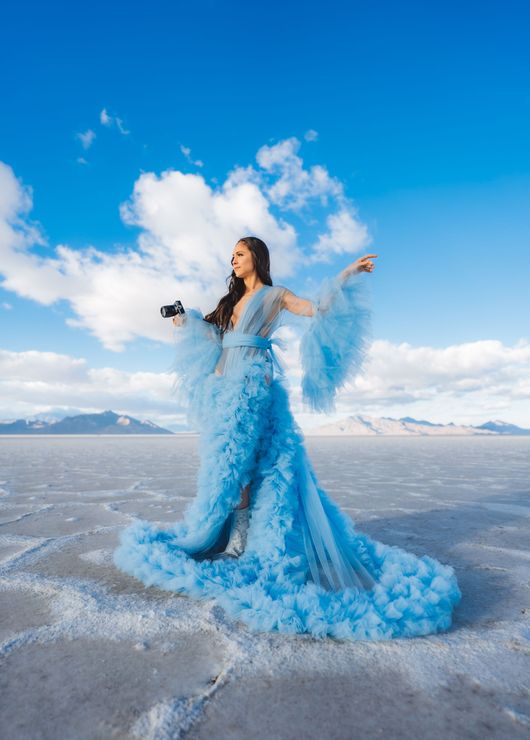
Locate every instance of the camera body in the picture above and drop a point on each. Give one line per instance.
(174, 309)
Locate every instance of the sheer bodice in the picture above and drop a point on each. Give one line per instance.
(261, 315)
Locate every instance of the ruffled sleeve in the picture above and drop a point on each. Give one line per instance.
(333, 347)
(197, 351)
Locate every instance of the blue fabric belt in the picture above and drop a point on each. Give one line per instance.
(239, 339)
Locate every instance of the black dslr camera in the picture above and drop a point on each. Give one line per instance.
(173, 310)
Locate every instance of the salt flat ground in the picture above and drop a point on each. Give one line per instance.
(88, 652)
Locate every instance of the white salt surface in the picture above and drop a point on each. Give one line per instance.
(88, 652)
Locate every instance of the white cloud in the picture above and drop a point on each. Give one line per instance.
(187, 230)
(121, 127)
(81, 160)
(17, 232)
(7, 306)
(311, 135)
(16, 199)
(460, 369)
(86, 138)
(467, 383)
(295, 185)
(186, 151)
(109, 121)
(50, 384)
(345, 234)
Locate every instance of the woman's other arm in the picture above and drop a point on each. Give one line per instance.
(297, 305)
(304, 307)
(337, 338)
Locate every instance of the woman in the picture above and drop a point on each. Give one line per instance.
(261, 537)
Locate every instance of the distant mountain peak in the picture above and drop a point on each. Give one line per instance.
(410, 420)
(504, 427)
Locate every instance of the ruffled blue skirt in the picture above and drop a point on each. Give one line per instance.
(306, 569)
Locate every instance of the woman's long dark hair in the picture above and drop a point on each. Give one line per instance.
(236, 287)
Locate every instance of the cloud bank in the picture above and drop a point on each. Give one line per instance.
(465, 383)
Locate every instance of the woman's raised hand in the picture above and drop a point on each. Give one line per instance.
(363, 264)
(178, 320)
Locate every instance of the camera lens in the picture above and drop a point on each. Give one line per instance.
(168, 311)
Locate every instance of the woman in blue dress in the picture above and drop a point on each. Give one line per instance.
(261, 537)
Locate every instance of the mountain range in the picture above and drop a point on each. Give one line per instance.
(106, 422)
(366, 426)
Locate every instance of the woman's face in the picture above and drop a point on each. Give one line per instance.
(242, 261)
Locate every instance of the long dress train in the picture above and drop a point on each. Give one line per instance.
(305, 568)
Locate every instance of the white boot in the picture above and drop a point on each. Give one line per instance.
(238, 533)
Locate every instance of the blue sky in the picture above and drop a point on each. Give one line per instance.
(418, 113)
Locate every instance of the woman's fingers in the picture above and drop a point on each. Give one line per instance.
(365, 262)
(367, 257)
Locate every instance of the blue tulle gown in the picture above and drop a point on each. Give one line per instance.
(306, 568)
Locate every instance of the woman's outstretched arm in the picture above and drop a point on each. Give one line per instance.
(304, 307)
(297, 305)
(337, 337)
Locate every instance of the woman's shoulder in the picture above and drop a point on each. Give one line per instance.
(279, 289)
(277, 293)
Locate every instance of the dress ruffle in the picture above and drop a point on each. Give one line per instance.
(334, 345)
(197, 350)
